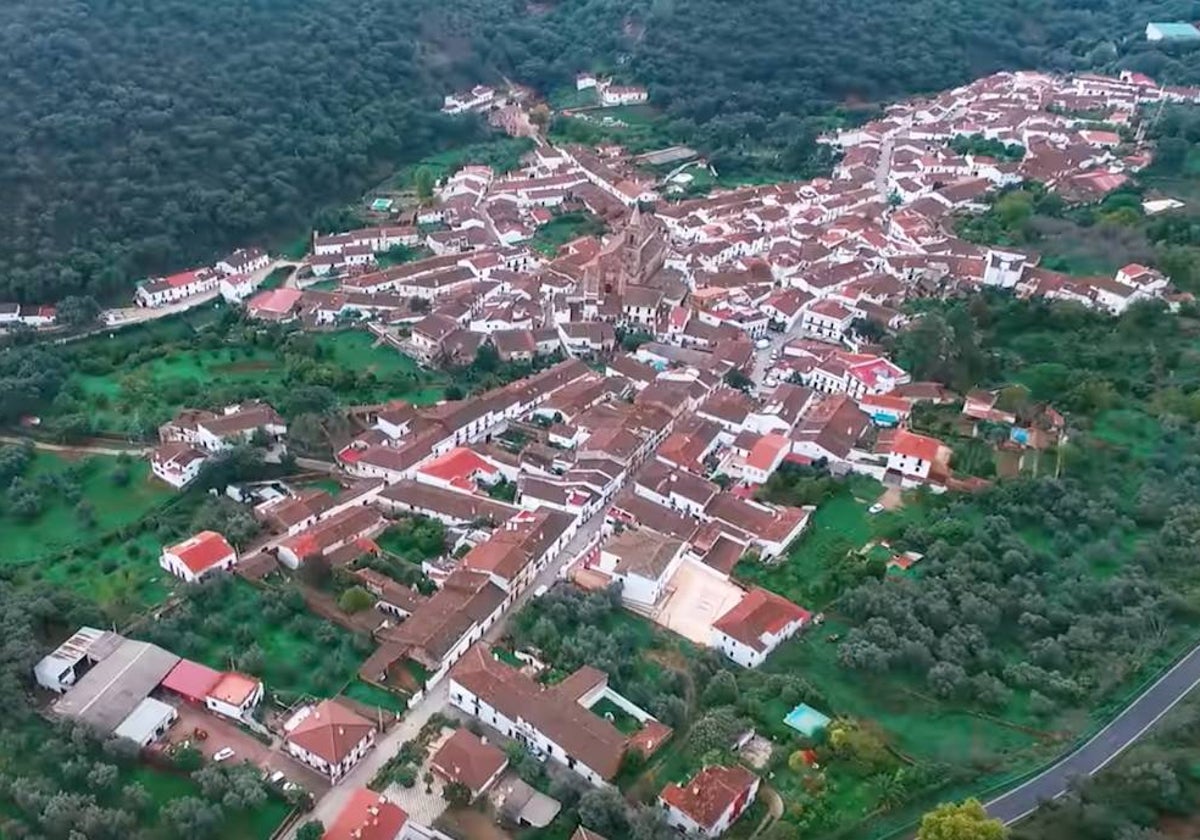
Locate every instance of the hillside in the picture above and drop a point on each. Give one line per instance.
(140, 137)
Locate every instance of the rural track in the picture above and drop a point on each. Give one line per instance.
(77, 449)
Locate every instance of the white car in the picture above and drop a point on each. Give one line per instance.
(223, 754)
(875, 508)
(763, 343)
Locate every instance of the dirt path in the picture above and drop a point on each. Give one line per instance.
(774, 809)
(79, 449)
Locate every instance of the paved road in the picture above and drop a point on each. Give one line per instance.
(1107, 744)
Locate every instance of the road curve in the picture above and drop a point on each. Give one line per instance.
(1107, 744)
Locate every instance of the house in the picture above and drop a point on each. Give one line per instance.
(351, 525)
(234, 695)
(369, 816)
(711, 801)
(584, 81)
(244, 261)
(236, 424)
(913, 455)
(198, 556)
(429, 335)
(163, 290)
(614, 95)
(177, 464)
(278, 305)
(643, 561)
(441, 629)
(756, 625)
(827, 319)
(329, 738)
(555, 721)
(230, 694)
(469, 760)
(765, 457)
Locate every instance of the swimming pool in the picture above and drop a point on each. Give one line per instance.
(806, 720)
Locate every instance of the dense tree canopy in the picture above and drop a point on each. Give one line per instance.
(142, 137)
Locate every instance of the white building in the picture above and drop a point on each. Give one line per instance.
(244, 261)
(234, 695)
(553, 721)
(164, 290)
(643, 561)
(178, 464)
(827, 320)
(148, 722)
(755, 626)
(711, 801)
(1003, 269)
(329, 738)
(197, 557)
(913, 455)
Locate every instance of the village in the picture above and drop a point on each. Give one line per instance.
(693, 355)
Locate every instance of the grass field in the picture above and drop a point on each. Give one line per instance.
(839, 525)
(373, 695)
(59, 527)
(621, 719)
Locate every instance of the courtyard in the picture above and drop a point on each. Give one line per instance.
(696, 597)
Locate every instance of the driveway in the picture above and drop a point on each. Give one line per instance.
(221, 733)
(1106, 745)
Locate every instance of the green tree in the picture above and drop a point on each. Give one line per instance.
(457, 795)
(311, 830)
(423, 182)
(355, 599)
(966, 820)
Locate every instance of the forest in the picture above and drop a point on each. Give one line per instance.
(146, 137)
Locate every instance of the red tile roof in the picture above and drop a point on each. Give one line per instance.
(191, 680)
(913, 445)
(711, 793)
(367, 816)
(459, 467)
(202, 551)
(766, 452)
(468, 759)
(233, 688)
(331, 731)
(759, 613)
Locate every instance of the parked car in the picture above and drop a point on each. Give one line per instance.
(875, 508)
(223, 754)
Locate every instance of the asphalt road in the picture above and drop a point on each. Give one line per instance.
(1106, 745)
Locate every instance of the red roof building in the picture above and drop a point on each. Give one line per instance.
(756, 625)
(329, 737)
(367, 816)
(712, 801)
(196, 557)
(191, 680)
(469, 760)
